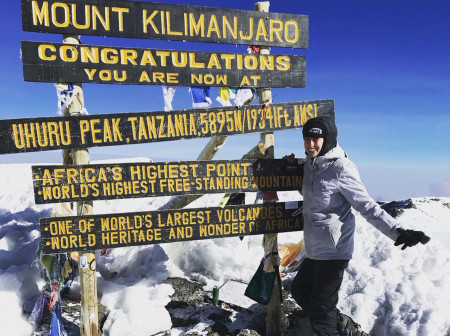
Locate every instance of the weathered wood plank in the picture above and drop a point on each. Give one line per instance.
(53, 184)
(42, 134)
(160, 21)
(94, 232)
(57, 62)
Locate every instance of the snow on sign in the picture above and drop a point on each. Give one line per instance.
(64, 234)
(54, 184)
(66, 63)
(160, 21)
(42, 134)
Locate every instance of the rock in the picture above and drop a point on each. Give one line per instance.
(396, 208)
(193, 314)
(186, 292)
(190, 307)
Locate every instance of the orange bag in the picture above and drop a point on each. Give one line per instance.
(290, 252)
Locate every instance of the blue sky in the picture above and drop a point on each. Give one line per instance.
(385, 63)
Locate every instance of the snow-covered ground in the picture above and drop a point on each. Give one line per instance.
(387, 290)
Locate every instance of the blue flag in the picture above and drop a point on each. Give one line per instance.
(200, 96)
(57, 328)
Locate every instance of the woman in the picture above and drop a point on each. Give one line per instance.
(331, 187)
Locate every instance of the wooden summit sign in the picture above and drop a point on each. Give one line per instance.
(41, 134)
(131, 180)
(165, 22)
(64, 234)
(74, 63)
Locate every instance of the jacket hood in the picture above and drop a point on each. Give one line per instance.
(330, 136)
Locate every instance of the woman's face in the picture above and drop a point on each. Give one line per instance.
(313, 146)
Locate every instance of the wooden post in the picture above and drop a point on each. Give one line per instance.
(212, 147)
(88, 275)
(270, 241)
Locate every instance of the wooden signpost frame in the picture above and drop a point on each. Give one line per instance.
(60, 17)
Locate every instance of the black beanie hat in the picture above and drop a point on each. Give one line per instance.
(314, 128)
(322, 127)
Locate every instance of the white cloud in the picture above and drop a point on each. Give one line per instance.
(387, 184)
(441, 188)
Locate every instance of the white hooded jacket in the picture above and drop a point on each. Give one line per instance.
(331, 187)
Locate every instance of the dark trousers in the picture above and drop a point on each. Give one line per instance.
(316, 289)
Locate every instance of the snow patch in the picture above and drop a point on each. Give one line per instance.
(387, 290)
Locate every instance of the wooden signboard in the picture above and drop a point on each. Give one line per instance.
(165, 22)
(63, 63)
(64, 234)
(41, 134)
(131, 180)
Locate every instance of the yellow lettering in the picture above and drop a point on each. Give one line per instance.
(251, 62)
(120, 11)
(40, 14)
(89, 55)
(250, 34)
(109, 56)
(42, 52)
(105, 75)
(226, 25)
(266, 62)
(276, 30)
(66, 10)
(169, 31)
(103, 20)
(245, 81)
(90, 73)
(283, 62)
(196, 78)
(193, 63)
(291, 31)
(176, 61)
(198, 26)
(172, 233)
(228, 58)
(163, 56)
(213, 27)
(161, 133)
(151, 125)
(261, 30)
(64, 53)
(147, 58)
(144, 77)
(158, 76)
(128, 55)
(149, 20)
(172, 77)
(84, 127)
(87, 15)
(214, 62)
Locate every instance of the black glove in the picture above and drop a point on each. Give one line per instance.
(410, 238)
